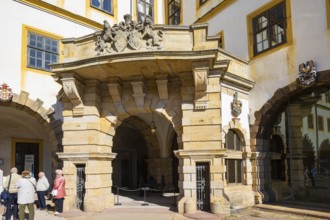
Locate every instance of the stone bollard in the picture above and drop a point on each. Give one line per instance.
(216, 207)
(189, 207)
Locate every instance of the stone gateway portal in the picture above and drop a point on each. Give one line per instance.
(148, 112)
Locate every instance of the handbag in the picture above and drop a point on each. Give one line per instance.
(5, 193)
(54, 192)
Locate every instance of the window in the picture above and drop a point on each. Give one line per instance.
(234, 165)
(42, 51)
(221, 40)
(103, 5)
(202, 2)
(328, 123)
(145, 8)
(269, 29)
(310, 122)
(320, 122)
(174, 7)
(327, 96)
(233, 141)
(234, 171)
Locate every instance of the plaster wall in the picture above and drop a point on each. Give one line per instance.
(226, 100)
(72, 6)
(160, 12)
(206, 7)
(279, 67)
(11, 69)
(188, 17)
(123, 7)
(232, 21)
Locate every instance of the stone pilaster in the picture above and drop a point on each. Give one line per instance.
(199, 144)
(87, 141)
(295, 150)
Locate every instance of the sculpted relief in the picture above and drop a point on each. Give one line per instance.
(128, 34)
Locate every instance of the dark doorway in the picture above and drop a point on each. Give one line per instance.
(130, 169)
(27, 157)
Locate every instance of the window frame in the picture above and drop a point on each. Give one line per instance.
(234, 154)
(268, 28)
(201, 2)
(320, 125)
(237, 162)
(237, 146)
(221, 43)
(43, 51)
(257, 12)
(171, 14)
(145, 3)
(101, 8)
(310, 121)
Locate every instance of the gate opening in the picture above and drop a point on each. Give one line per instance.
(81, 179)
(203, 186)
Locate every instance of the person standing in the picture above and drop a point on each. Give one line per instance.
(1, 180)
(59, 185)
(42, 188)
(9, 185)
(313, 173)
(306, 176)
(25, 197)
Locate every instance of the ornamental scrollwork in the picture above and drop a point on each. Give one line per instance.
(128, 34)
(6, 93)
(307, 74)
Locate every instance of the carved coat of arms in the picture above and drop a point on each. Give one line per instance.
(6, 93)
(236, 106)
(136, 35)
(307, 74)
(120, 40)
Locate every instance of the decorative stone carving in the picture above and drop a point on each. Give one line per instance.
(200, 81)
(70, 89)
(138, 91)
(114, 86)
(6, 93)
(162, 86)
(307, 74)
(128, 34)
(236, 106)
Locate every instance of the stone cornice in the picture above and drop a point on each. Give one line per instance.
(237, 81)
(200, 153)
(135, 56)
(85, 156)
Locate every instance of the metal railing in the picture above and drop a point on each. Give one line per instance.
(145, 189)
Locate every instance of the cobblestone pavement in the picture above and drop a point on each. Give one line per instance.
(164, 214)
(258, 214)
(132, 210)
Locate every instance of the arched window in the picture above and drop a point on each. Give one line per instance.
(233, 142)
(234, 165)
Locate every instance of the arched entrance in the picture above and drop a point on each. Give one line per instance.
(300, 116)
(129, 167)
(141, 159)
(28, 139)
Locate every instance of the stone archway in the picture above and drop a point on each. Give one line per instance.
(42, 116)
(263, 127)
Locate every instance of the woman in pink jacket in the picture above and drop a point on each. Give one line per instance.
(59, 185)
